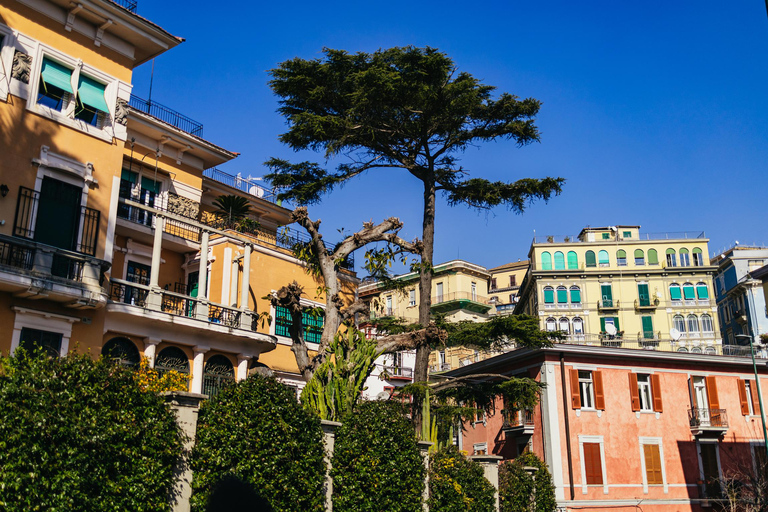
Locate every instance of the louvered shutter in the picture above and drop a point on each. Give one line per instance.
(743, 398)
(656, 393)
(597, 379)
(652, 464)
(714, 401)
(755, 398)
(593, 467)
(575, 396)
(634, 392)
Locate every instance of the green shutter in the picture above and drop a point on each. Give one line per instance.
(151, 185)
(603, 257)
(647, 327)
(546, 261)
(616, 323)
(627, 234)
(575, 296)
(606, 292)
(702, 291)
(562, 296)
(129, 176)
(559, 261)
(57, 75)
(674, 293)
(653, 257)
(639, 253)
(602, 325)
(549, 296)
(590, 258)
(621, 253)
(642, 292)
(91, 93)
(573, 261)
(606, 236)
(689, 293)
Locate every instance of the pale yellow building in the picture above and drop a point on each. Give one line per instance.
(618, 286)
(504, 286)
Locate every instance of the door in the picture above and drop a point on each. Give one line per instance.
(58, 214)
(645, 297)
(607, 294)
(710, 469)
(136, 273)
(439, 293)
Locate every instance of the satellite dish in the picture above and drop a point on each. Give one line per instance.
(256, 191)
(610, 329)
(675, 334)
(382, 396)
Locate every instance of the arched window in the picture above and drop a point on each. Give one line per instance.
(573, 260)
(698, 257)
(710, 350)
(218, 373)
(172, 358)
(678, 322)
(653, 257)
(685, 258)
(688, 292)
(549, 295)
(639, 257)
(621, 258)
(671, 258)
(121, 351)
(602, 258)
(559, 261)
(578, 326)
(589, 257)
(693, 325)
(551, 324)
(706, 323)
(674, 292)
(562, 295)
(565, 325)
(696, 350)
(682, 349)
(546, 261)
(575, 295)
(702, 291)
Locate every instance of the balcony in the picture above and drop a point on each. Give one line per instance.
(646, 304)
(398, 373)
(248, 185)
(708, 422)
(517, 422)
(608, 305)
(167, 115)
(447, 302)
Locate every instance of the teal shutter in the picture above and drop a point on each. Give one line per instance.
(573, 261)
(674, 293)
(607, 294)
(151, 185)
(559, 261)
(702, 291)
(562, 296)
(546, 261)
(575, 295)
(91, 93)
(642, 292)
(129, 176)
(616, 323)
(602, 325)
(590, 258)
(603, 257)
(549, 296)
(57, 75)
(688, 292)
(647, 327)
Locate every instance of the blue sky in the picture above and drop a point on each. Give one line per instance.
(655, 112)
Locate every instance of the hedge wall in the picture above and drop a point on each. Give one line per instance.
(79, 434)
(257, 432)
(457, 484)
(516, 486)
(376, 463)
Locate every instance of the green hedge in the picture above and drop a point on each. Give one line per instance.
(376, 463)
(457, 484)
(256, 431)
(79, 434)
(516, 486)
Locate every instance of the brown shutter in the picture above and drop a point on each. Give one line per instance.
(692, 395)
(656, 392)
(593, 467)
(755, 398)
(743, 398)
(714, 401)
(652, 464)
(575, 396)
(634, 393)
(597, 379)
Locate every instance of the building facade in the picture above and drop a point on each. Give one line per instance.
(504, 286)
(617, 286)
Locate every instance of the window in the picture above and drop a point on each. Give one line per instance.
(312, 325)
(602, 258)
(473, 287)
(172, 358)
(589, 257)
(546, 261)
(578, 326)
(549, 295)
(559, 261)
(671, 258)
(702, 291)
(217, 374)
(626, 234)
(606, 294)
(652, 463)
(480, 448)
(688, 292)
(412, 298)
(610, 320)
(91, 106)
(33, 340)
(621, 258)
(575, 295)
(512, 281)
(674, 293)
(685, 258)
(706, 324)
(565, 326)
(679, 323)
(55, 87)
(140, 189)
(122, 351)
(643, 294)
(653, 257)
(493, 283)
(389, 305)
(593, 464)
(606, 236)
(587, 390)
(562, 295)
(748, 397)
(645, 391)
(439, 292)
(647, 323)
(711, 469)
(551, 325)
(693, 325)
(639, 257)
(573, 260)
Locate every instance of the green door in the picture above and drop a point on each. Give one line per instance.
(645, 297)
(58, 214)
(607, 295)
(647, 327)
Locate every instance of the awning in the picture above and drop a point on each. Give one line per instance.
(57, 75)
(91, 93)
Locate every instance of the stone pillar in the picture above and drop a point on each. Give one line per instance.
(424, 447)
(246, 278)
(329, 439)
(157, 247)
(186, 406)
(242, 366)
(198, 364)
(490, 465)
(202, 280)
(150, 350)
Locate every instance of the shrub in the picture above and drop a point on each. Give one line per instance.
(376, 461)
(149, 379)
(516, 486)
(79, 434)
(257, 432)
(457, 484)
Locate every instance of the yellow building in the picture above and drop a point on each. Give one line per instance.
(107, 207)
(617, 286)
(504, 286)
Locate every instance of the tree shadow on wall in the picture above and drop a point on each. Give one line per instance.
(233, 493)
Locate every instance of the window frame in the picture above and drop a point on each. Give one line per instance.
(7, 51)
(42, 321)
(645, 386)
(653, 441)
(587, 389)
(411, 298)
(621, 258)
(639, 261)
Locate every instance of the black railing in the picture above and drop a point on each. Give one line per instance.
(224, 316)
(129, 5)
(399, 372)
(248, 185)
(179, 305)
(68, 268)
(513, 419)
(26, 220)
(121, 292)
(216, 377)
(15, 255)
(714, 418)
(167, 115)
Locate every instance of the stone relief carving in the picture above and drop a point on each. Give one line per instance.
(22, 63)
(121, 112)
(183, 206)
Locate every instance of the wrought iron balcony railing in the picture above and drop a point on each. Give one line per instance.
(248, 185)
(167, 115)
(129, 5)
(708, 418)
(512, 419)
(400, 372)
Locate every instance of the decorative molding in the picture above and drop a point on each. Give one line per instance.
(181, 205)
(22, 65)
(121, 112)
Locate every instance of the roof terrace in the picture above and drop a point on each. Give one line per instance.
(167, 115)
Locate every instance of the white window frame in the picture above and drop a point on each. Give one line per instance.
(699, 442)
(587, 390)
(647, 407)
(592, 439)
(44, 321)
(161, 198)
(750, 403)
(480, 447)
(753, 443)
(411, 298)
(7, 50)
(286, 340)
(658, 442)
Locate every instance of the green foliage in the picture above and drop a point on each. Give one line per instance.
(516, 487)
(499, 332)
(457, 484)
(232, 207)
(376, 462)
(257, 431)
(79, 434)
(339, 381)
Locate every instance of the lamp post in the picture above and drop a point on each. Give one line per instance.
(759, 391)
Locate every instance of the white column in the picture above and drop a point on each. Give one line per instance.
(490, 465)
(246, 277)
(157, 247)
(150, 350)
(233, 287)
(242, 366)
(329, 440)
(198, 363)
(202, 280)
(424, 447)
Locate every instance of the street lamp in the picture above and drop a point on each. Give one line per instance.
(757, 382)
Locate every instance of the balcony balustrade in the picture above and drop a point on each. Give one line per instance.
(608, 304)
(708, 421)
(398, 372)
(517, 422)
(248, 185)
(167, 115)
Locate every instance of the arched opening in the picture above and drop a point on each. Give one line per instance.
(589, 257)
(653, 257)
(639, 257)
(121, 351)
(685, 258)
(546, 261)
(671, 258)
(602, 258)
(573, 260)
(621, 258)
(559, 261)
(172, 359)
(218, 373)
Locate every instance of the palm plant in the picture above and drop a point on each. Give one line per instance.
(232, 207)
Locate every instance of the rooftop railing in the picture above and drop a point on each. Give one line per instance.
(129, 5)
(248, 185)
(672, 235)
(447, 297)
(167, 115)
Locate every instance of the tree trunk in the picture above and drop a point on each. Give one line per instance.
(421, 368)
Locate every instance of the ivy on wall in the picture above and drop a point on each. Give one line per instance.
(457, 484)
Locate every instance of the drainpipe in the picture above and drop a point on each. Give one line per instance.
(567, 426)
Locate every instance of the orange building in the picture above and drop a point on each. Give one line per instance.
(622, 428)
